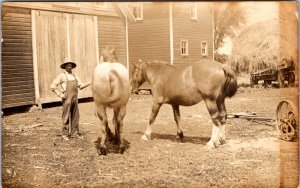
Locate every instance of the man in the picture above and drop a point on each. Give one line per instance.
(69, 95)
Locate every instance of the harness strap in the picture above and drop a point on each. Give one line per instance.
(69, 80)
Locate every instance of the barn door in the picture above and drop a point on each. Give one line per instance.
(61, 35)
(83, 47)
(51, 50)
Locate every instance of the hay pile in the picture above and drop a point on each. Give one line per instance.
(265, 45)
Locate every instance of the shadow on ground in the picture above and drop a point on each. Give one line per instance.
(170, 137)
(112, 147)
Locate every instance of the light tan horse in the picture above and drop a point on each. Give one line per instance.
(204, 80)
(111, 89)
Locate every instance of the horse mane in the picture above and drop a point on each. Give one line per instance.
(159, 63)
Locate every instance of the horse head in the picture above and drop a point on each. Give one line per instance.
(109, 54)
(138, 75)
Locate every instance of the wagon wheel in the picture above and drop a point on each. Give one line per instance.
(280, 79)
(253, 81)
(287, 120)
(291, 78)
(267, 82)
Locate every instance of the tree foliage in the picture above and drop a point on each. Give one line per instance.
(228, 18)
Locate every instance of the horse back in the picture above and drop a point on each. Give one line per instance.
(110, 85)
(209, 77)
(173, 84)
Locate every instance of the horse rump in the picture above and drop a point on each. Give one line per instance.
(230, 86)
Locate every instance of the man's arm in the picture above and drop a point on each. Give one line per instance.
(84, 85)
(54, 86)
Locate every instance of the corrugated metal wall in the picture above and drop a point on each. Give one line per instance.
(17, 64)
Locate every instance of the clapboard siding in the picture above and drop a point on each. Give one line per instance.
(112, 32)
(87, 8)
(149, 39)
(17, 65)
(194, 31)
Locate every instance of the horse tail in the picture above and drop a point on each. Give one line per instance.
(115, 90)
(230, 86)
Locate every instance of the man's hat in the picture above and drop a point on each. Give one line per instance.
(67, 61)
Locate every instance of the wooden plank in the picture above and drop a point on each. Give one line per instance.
(9, 58)
(15, 22)
(17, 32)
(20, 83)
(96, 36)
(20, 45)
(24, 71)
(21, 86)
(15, 73)
(14, 40)
(7, 9)
(13, 49)
(8, 101)
(18, 15)
(19, 95)
(9, 28)
(14, 103)
(8, 35)
(17, 64)
(17, 79)
(34, 57)
(16, 53)
(17, 91)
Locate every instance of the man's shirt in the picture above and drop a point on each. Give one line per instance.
(62, 79)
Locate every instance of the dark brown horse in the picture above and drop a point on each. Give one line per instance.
(204, 80)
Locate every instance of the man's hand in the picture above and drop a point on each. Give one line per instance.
(62, 96)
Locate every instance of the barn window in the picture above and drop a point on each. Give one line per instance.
(137, 11)
(184, 46)
(204, 48)
(194, 9)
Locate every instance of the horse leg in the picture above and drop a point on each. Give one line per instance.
(115, 123)
(120, 114)
(223, 122)
(176, 113)
(215, 116)
(154, 112)
(101, 112)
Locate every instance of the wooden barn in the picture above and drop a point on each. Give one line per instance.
(38, 36)
(176, 32)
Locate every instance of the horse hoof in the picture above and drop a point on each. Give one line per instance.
(146, 137)
(102, 150)
(179, 139)
(222, 141)
(180, 135)
(116, 141)
(211, 145)
(121, 149)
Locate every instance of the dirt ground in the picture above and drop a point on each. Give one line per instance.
(253, 156)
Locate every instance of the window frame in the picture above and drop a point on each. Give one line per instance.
(206, 48)
(194, 6)
(141, 17)
(186, 47)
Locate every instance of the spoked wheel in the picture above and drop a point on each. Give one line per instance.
(287, 120)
